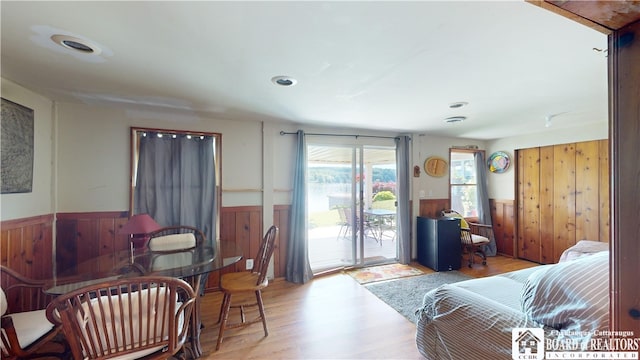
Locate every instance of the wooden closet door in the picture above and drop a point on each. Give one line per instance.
(528, 238)
(562, 196)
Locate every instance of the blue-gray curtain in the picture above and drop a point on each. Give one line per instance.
(176, 181)
(298, 269)
(403, 223)
(484, 209)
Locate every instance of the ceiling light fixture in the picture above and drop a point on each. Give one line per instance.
(455, 119)
(77, 44)
(458, 104)
(284, 80)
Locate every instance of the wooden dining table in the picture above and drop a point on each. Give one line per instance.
(193, 265)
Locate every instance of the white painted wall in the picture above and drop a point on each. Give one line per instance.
(94, 147)
(40, 200)
(90, 169)
(502, 186)
(426, 146)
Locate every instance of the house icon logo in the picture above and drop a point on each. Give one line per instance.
(527, 343)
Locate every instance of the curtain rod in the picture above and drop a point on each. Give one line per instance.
(353, 135)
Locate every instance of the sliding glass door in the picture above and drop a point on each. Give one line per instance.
(351, 205)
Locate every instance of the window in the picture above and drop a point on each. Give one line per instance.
(463, 185)
(175, 178)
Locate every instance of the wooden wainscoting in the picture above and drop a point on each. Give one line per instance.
(82, 236)
(432, 207)
(281, 220)
(243, 225)
(26, 246)
(503, 217)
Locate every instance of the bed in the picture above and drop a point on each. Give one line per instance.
(474, 319)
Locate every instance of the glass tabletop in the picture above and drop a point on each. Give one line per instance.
(380, 212)
(125, 263)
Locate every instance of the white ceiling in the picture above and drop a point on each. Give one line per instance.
(392, 66)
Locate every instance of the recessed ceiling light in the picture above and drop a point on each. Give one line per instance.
(458, 104)
(284, 80)
(455, 119)
(77, 44)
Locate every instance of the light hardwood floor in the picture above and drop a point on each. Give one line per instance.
(331, 317)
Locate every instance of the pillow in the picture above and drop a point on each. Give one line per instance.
(172, 242)
(463, 223)
(571, 296)
(139, 303)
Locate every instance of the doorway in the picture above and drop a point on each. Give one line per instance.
(351, 206)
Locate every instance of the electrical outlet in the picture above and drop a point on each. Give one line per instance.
(249, 264)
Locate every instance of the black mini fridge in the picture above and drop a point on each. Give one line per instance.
(439, 246)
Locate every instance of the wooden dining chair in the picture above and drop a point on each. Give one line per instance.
(147, 316)
(247, 282)
(25, 328)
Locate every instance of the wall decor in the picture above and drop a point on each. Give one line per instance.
(416, 171)
(499, 162)
(16, 126)
(435, 166)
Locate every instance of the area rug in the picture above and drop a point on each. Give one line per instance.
(405, 295)
(383, 272)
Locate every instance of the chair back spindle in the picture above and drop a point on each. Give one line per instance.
(264, 254)
(133, 317)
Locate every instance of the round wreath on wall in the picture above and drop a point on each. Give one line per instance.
(499, 162)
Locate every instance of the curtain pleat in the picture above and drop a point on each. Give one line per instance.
(484, 209)
(403, 223)
(298, 269)
(176, 181)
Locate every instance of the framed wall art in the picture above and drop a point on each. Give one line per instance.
(16, 147)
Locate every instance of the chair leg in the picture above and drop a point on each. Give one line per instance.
(222, 306)
(470, 251)
(226, 305)
(481, 253)
(261, 309)
(473, 251)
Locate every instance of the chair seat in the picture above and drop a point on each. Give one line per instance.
(242, 281)
(30, 326)
(479, 239)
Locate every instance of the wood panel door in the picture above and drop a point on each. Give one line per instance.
(563, 197)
